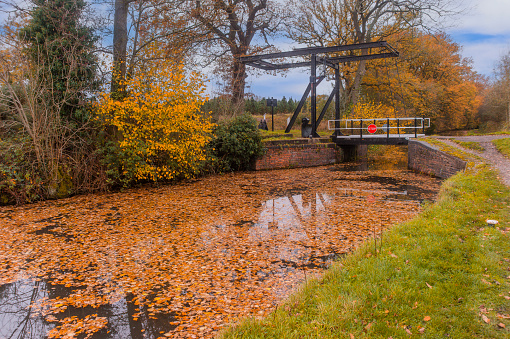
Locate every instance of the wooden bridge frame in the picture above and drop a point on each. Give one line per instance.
(353, 53)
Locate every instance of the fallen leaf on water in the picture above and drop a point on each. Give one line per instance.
(199, 255)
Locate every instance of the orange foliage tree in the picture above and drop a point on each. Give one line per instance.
(159, 131)
(430, 79)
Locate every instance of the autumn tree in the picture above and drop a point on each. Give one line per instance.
(236, 28)
(161, 132)
(431, 80)
(342, 22)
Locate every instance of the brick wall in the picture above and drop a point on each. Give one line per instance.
(424, 158)
(293, 154)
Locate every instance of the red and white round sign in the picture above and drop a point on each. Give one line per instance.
(372, 128)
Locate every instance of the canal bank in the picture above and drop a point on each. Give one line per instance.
(422, 157)
(443, 274)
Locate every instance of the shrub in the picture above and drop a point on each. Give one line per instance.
(157, 131)
(236, 144)
(19, 180)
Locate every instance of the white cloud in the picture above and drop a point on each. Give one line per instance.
(485, 54)
(484, 33)
(486, 17)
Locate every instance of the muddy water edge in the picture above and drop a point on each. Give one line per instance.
(185, 260)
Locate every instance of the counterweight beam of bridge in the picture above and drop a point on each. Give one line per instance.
(380, 131)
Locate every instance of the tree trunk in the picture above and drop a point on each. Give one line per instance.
(120, 39)
(508, 118)
(238, 80)
(360, 73)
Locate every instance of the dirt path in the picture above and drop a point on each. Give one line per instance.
(491, 154)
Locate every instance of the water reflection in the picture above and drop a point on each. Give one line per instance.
(187, 259)
(19, 318)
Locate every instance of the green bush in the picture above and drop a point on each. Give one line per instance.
(236, 144)
(19, 181)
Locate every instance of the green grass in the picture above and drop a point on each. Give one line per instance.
(281, 135)
(477, 132)
(470, 145)
(445, 264)
(503, 145)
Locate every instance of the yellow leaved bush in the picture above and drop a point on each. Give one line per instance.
(159, 131)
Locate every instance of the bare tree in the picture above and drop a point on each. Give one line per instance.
(235, 28)
(120, 41)
(138, 24)
(495, 110)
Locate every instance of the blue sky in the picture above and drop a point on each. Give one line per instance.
(483, 31)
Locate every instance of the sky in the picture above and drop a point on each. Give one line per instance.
(482, 30)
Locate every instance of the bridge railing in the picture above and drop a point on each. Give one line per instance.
(398, 126)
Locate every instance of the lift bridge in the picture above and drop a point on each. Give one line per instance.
(390, 131)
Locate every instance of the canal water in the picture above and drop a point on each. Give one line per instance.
(184, 260)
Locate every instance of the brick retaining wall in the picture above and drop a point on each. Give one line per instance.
(302, 154)
(425, 158)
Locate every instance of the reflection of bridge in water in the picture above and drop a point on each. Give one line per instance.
(300, 220)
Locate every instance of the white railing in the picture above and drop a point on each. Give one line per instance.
(384, 125)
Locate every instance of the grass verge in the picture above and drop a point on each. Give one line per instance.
(503, 146)
(469, 144)
(478, 132)
(443, 274)
(471, 159)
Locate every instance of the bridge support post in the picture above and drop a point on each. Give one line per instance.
(337, 101)
(353, 152)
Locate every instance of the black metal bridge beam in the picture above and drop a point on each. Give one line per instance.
(301, 104)
(337, 101)
(326, 106)
(313, 99)
(320, 50)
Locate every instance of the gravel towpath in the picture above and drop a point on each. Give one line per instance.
(491, 154)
